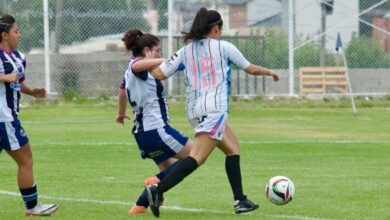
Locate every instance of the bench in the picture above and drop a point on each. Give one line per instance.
(323, 80)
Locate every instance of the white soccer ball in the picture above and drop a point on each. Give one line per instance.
(280, 190)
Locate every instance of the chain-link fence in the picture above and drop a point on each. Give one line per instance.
(87, 57)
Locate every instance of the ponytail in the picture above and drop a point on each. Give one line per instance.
(204, 21)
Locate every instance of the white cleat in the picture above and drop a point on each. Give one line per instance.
(42, 210)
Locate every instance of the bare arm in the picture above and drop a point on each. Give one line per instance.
(258, 70)
(35, 92)
(120, 118)
(146, 63)
(9, 78)
(157, 73)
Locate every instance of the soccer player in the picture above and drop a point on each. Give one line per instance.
(206, 64)
(156, 139)
(12, 136)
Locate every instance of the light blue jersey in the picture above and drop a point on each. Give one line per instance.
(206, 65)
(146, 97)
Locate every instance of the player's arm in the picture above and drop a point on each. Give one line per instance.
(121, 116)
(158, 73)
(241, 62)
(169, 67)
(259, 70)
(35, 92)
(146, 64)
(9, 78)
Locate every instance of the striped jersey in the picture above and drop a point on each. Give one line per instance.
(146, 96)
(206, 65)
(11, 62)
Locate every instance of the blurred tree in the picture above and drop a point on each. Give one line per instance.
(365, 52)
(79, 20)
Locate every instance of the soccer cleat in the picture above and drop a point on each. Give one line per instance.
(154, 198)
(151, 180)
(244, 205)
(42, 210)
(137, 209)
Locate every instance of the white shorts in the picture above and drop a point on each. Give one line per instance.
(213, 123)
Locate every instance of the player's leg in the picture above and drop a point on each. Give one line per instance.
(209, 131)
(230, 146)
(28, 189)
(142, 202)
(170, 143)
(14, 140)
(203, 146)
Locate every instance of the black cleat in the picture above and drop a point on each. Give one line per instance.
(244, 205)
(154, 198)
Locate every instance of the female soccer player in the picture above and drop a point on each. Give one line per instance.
(156, 139)
(12, 137)
(205, 62)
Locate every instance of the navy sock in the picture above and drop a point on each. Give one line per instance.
(233, 171)
(165, 172)
(143, 199)
(30, 196)
(184, 168)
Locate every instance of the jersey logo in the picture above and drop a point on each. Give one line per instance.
(15, 86)
(169, 62)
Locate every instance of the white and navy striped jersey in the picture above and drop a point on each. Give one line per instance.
(10, 92)
(206, 65)
(146, 97)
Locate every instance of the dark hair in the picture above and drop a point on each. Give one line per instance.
(6, 22)
(204, 21)
(136, 41)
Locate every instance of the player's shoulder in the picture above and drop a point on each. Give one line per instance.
(19, 54)
(226, 44)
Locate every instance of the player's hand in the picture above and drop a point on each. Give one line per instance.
(14, 77)
(120, 119)
(9, 78)
(274, 75)
(149, 54)
(39, 92)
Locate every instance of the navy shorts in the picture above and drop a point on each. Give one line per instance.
(160, 144)
(12, 136)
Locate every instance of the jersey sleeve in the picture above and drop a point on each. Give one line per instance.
(174, 64)
(123, 84)
(22, 79)
(235, 56)
(2, 71)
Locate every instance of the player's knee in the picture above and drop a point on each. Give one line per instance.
(232, 151)
(200, 160)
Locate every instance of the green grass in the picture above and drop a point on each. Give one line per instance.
(339, 162)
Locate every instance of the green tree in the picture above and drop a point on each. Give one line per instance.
(364, 52)
(276, 50)
(80, 19)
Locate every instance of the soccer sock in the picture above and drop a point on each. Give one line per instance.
(233, 171)
(161, 175)
(143, 199)
(30, 196)
(183, 169)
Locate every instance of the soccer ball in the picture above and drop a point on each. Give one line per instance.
(280, 190)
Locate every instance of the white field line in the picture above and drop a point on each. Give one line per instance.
(104, 143)
(177, 208)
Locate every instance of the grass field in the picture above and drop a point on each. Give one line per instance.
(90, 166)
